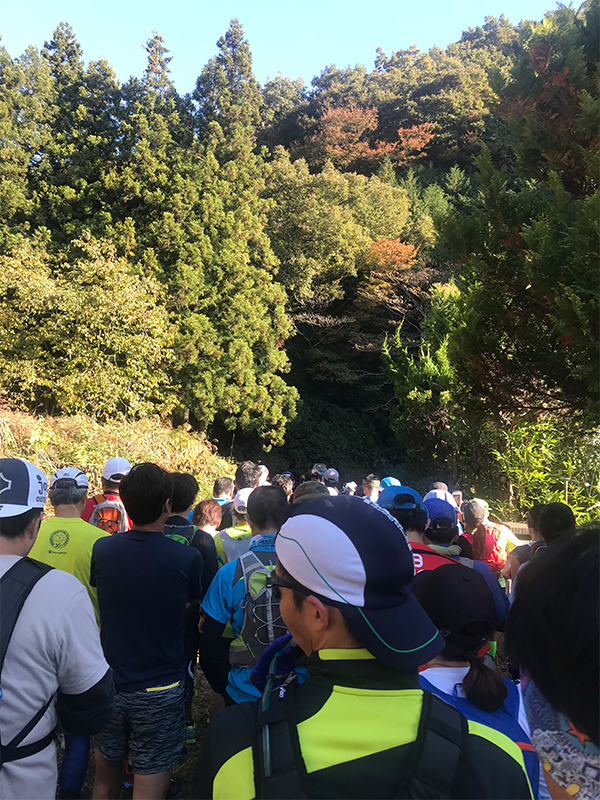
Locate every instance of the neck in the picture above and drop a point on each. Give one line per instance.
(14, 547)
(153, 527)
(262, 531)
(439, 661)
(414, 536)
(68, 512)
(212, 529)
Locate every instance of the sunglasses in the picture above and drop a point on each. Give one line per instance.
(279, 583)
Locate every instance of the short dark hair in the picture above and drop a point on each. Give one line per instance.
(533, 516)
(556, 520)
(442, 534)
(207, 512)
(553, 626)
(268, 507)
(185, 490)
(222, 486)
(411, 519)
(247, 475)
(302, 593)
(144, 491)
(286, 483)
(14, 527)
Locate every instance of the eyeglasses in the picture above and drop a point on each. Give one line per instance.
(278, 583)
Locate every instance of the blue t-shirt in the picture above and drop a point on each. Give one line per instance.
(144, 581)
(224, 602)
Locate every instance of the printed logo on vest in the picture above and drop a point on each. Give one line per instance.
(59, 539)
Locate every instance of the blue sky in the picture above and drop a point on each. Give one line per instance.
(298, 39)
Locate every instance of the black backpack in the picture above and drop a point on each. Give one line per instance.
(15, 586)
(280, 772)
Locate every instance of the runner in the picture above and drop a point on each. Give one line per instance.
(144, 582)
(52, 665)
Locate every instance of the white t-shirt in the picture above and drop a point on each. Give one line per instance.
(55, 644)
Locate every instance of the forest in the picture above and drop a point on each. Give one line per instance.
(392, 270)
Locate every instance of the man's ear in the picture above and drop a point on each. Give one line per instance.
(31, 531)
(320, 613)
(167, 506)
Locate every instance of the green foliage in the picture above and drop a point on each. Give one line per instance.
(528, 338)
(544, 462)
(424, 418)
(73, 343)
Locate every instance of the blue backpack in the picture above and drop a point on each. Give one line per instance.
(504, 720)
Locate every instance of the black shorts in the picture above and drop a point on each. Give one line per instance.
(149, 726)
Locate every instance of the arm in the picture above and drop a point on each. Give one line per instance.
(214, 654)
(204, 543)
(88, 712)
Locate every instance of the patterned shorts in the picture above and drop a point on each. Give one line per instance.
(149, 726)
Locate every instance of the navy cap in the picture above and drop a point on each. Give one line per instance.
(22, 487)
(460, 603)
(356, 555)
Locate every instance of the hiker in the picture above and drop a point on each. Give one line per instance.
(241, 595)
(370, 487)
(484, 536)
(65, 541)
(51, 662)
(552, 637)
(232, 542)
(144, 581)
(309, 490)
(105, 510)
(177, 527)
(223, 491)
(460, 604)
(286, 481)
(207, 517)
(353, 728)
(331, 480)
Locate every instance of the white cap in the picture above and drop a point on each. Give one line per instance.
(264, 475)
(440, 494)
(240, 501)
(69, 476)
(115, 469)
(22, 487)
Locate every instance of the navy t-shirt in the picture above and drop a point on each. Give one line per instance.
(144, 580)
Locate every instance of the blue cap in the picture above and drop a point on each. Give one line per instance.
(400, 497)
(333, 546)
(389, 482)
(438, 508)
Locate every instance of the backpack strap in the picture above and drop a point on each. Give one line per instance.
(442, 731)
(279, 769)
(15, 586)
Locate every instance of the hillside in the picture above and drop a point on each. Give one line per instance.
(54, 442)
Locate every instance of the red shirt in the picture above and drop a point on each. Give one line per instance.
(425, 557)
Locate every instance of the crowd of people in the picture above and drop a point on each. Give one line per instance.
(348, 634)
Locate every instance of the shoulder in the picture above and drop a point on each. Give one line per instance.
(56, 590)
(226, 758)
(491, 765)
